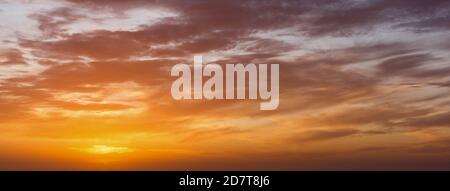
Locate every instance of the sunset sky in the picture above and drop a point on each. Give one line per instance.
(85, 85)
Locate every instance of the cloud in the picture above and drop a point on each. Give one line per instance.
(428, 25)
(412, 66)
(11, 57)
(403, 64)
(433, 120)
(324, 135)
(382, 115)
(51, 23)
(440, 84)
(96, 46)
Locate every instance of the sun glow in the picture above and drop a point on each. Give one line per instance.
(105, 149)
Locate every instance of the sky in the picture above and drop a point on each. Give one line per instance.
(85, 85)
